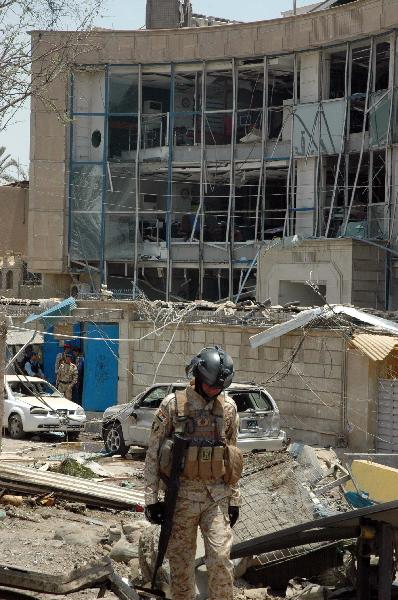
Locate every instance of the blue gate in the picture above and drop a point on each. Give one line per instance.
(100, 367)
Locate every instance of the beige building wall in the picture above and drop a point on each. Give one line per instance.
(47, 246)
(310, 393)
(13, 220)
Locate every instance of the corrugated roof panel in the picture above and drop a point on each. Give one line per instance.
(377, 347)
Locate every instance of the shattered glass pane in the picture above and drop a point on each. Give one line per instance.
(86, 188)
(120, 190)
(318, 122)
(332, 126)
(85, 236)
(119, 237)
(379, 116)
(123, 90)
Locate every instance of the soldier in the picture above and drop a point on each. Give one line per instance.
(207, 497)
(60, 358)
(66, 377)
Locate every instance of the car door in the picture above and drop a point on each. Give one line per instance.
(145, 412)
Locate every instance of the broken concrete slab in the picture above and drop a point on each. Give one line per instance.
(99, 574)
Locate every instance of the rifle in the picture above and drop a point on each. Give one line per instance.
(180, 444)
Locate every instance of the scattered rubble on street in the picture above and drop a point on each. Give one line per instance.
(101, 528)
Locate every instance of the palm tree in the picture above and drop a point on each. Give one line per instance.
(7, 163)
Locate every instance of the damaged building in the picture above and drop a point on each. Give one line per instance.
(192, 151)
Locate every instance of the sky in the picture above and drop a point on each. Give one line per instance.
(130, 14)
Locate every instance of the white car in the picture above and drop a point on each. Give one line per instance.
(32, 405)
(126, 425)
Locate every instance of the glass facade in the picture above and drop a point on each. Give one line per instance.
(189, 168)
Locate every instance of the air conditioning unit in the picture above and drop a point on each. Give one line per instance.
(79, 290)
(152, 107)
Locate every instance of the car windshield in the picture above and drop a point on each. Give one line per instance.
(32, 388)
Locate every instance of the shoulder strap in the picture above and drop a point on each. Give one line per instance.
(182, 403)
(218, 406)
(218, 411)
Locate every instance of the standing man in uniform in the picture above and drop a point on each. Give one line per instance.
(60, 358)
(207, 497)
(67, 377)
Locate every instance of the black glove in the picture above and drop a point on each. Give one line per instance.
(155, 513)
(233, 513)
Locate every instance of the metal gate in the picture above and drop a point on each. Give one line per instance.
(387, 416)
(100, 367)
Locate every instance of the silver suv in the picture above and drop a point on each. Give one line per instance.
(126, 425)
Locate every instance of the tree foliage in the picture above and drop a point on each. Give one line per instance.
(10, 169)
(28, 68)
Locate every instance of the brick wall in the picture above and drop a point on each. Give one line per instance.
(310, 395)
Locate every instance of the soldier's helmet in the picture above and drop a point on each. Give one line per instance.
(213, 366)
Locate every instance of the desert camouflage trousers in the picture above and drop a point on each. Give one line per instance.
(212, 518)
(66, 390)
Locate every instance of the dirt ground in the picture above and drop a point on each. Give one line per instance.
(54, 539)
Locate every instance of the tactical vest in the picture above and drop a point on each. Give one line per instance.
(208, 457)
(206, 431)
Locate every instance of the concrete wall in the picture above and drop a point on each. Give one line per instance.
(368, 276)
(47, 247)
(310, 395)
(352, 271)
(362, 397)
(13, 220)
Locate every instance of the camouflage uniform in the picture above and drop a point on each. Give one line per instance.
(66, 378)
(200, 503)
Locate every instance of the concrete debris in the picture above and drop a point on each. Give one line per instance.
(304, 590)
(147, 551)
(123, 551)
(75, 534)
(259, 594)
(95, 575)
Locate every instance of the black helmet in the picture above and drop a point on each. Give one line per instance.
(212, 366)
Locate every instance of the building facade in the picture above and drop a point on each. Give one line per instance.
(190, 150)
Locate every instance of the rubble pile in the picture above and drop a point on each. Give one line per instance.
(52, 533)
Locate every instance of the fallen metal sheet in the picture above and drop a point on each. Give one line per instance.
(320, 529)
(277, 331)
(32, 481)
(326, 312)
(99, 574)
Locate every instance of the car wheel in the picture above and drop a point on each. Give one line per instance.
(114, 440)
(15, 427)
(72, 436)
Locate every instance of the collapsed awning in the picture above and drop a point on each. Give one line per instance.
(51, 315)
(376, 347)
